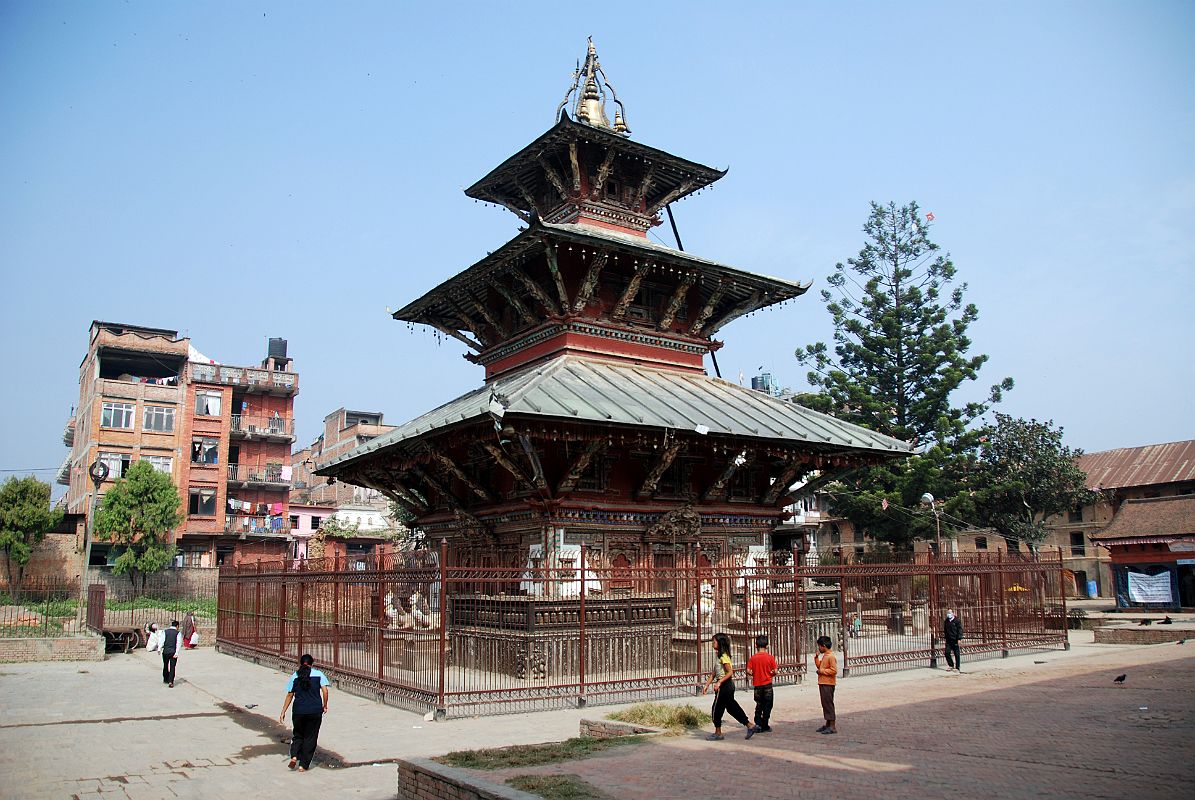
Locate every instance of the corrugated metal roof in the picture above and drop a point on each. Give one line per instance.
(1154, 517)
(1140, 466)
(593, 390)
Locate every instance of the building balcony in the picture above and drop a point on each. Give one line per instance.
(267, 477)
(64, 472)
(250, 525)
(68, 433)
(253, 381)
(274, 429)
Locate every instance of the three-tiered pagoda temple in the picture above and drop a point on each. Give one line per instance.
(597, 423)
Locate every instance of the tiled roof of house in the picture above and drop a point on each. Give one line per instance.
(1150, 465)
(1153, 519)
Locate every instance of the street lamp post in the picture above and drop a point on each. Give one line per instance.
(927, 499)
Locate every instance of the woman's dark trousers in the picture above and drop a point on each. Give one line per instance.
(302, 745)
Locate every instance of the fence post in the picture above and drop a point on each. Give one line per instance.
(441, 708)
(933, 612)
(1066, 622)
(583, 643)
(380, 622)
(842, 638)
(798, 614)
(282, 618)
(302, 598)
(697, 604)
(336, 582)
(1000, 588)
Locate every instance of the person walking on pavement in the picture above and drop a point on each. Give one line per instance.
(171, 646)
(724, 701)
(762, 667)
(308, 690)
(827, 676)
(952, 630)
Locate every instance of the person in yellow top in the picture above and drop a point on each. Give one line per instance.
(827, 677)
(724, 701)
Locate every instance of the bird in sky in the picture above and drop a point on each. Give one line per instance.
(1119, 679)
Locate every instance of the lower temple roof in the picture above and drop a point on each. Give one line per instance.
(592, 390)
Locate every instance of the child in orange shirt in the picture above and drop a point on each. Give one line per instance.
(762, 667)
(827, 677)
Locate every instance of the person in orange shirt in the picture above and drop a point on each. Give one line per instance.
(762, 667)
(827, 677)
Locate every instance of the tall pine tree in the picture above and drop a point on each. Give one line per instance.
(900, 353)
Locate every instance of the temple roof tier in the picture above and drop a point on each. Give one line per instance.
(625, 396)
(575, 169)
(550, 273)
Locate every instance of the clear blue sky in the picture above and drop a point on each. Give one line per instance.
(244, 170)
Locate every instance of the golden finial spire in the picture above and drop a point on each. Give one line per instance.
(591, 85)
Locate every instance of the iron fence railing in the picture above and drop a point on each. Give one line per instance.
(463, 638)
(40, 610)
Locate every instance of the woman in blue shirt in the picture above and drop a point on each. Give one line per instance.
(308, 690)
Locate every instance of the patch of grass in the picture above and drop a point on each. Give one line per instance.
(202, 606)
(660, 715)
(558, 787)
(534, 755)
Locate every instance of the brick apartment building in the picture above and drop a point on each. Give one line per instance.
(343, 431)
(222, 433)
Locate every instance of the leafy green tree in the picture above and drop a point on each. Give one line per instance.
(900, 333)
(1024, 475)
(25, 519)
(137, 513)
(901, 351)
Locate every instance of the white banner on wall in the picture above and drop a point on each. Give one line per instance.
(1150, 588)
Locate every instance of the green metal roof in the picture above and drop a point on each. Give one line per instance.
(583, 389)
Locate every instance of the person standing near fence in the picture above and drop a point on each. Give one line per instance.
(952, 631)
(762, 667)
(172, 645)
(827, 677)
(308, 689)
(722, 679)
(189, 638)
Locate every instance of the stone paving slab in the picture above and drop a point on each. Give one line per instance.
(111, 729)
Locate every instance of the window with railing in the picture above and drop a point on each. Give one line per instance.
(1078, 544)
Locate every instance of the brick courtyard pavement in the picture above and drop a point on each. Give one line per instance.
(1055, 727)
(1011, 728)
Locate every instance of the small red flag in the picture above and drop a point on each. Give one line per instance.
(929, 217)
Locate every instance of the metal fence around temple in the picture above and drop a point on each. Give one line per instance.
(422, 633)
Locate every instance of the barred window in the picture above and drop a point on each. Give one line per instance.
(158, 418)
(117, 415)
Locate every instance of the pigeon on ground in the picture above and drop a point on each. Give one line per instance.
(1146, 622)
(1182, 641)
(1119, 678)
(1166, 621)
